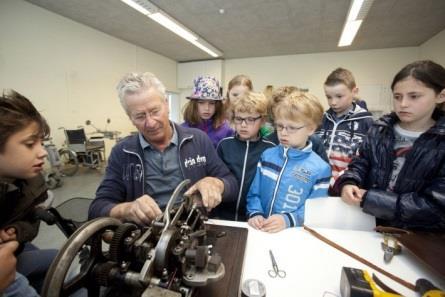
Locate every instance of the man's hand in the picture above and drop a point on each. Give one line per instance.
(141, 211)
(8, 262)
(274, 223)
(211, 190)
(352, 194)
(7, 235)
(256, 222)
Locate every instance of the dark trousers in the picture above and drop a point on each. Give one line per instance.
(33, 263)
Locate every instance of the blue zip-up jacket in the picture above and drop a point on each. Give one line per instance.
(124, 176)
(285, 178)
(418, 200)
(241, 157)
(342, 138)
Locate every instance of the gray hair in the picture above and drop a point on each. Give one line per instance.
(133, 83)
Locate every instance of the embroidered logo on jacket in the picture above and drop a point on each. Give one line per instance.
(302, 174)
(197, 161)
(132, 172)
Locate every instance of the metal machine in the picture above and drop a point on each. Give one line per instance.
(172, 257)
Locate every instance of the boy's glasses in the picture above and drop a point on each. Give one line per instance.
(248, 120)
(289, 129)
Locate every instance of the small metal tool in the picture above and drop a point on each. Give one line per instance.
(276, 271)
(390, 247)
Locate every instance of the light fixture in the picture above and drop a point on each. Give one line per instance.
(357, 13)
(156, 14)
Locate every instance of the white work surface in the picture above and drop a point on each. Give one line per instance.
(313, 267)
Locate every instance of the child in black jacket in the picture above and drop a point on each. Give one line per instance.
(399, 176)
(242, 151)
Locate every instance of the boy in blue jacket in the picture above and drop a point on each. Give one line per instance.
(241, 152)
(291, 172)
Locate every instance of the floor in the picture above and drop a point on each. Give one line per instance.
(83, 184)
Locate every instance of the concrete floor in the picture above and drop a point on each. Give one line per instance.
(83, 184)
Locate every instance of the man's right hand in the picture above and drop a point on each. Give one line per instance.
(141, 211)
(8, 262)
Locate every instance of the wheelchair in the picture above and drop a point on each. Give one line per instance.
(89, 152)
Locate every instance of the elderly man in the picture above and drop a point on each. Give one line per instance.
(144, 169)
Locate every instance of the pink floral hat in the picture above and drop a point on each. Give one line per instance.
(206, 88)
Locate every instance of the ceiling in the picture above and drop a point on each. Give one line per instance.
(255, 28)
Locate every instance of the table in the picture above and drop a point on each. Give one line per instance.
(314, 268)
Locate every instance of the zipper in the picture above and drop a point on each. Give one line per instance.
(278, 180)
(242, 180)
(142, 167)
(179, 154)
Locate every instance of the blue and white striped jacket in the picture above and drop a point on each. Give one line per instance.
(285, 178)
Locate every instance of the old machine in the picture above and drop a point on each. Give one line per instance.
(172, 257)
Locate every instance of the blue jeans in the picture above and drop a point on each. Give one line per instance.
(20, 288)
(33, 263)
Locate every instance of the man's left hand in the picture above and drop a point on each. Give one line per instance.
(211, 190)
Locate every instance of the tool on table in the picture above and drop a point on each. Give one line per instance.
(253, 288)
(390, 247)
(276, 271)
(427, 289)
(358, 283)
(360, 259)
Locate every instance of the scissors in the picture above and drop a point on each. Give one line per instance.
(276, 271)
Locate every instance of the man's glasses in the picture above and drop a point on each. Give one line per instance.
(142, 116)
(289, 129)
(248, 120)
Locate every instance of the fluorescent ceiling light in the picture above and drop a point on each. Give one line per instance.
(172, 26)
(354, 10)
(357, 13)
(153, 12)
(136, 6)
(349, 32)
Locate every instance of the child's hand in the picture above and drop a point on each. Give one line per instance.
(256, 222)
(274, 223)
(7, 235)
(8, 260)
(352, 194)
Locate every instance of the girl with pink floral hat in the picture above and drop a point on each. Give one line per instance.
(205, 110)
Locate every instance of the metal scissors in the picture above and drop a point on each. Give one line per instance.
(276, 271)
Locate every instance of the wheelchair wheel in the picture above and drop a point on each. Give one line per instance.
(69, 162)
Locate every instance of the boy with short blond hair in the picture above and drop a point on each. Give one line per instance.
(242, 151)
(345, 124)
(290, 173)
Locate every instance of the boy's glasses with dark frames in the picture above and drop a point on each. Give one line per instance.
(248, 120)
(289, 129)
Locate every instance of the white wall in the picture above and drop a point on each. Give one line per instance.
(434, 49)
(372, 69)
(69, 70)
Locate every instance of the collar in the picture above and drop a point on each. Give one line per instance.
(144, 143)
(256, 140)
(295, 153)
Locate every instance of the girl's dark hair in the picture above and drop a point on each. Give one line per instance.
(191, 115)
(16, 113)
(429, 73)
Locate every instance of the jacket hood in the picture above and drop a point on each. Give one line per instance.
(356, 112)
